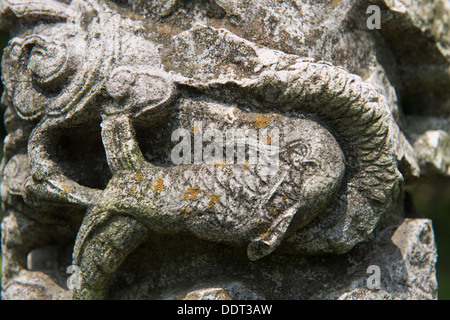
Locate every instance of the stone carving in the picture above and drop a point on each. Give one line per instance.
(93, 97)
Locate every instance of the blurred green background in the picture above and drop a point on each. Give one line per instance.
(431, 199)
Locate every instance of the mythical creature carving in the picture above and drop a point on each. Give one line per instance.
(90, 65)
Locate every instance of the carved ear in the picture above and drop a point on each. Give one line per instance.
(139, 90)
(31, 10)
(18, 86)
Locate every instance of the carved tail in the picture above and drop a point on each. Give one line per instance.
(103, 242)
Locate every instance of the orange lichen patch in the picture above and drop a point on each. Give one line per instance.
(222, 295)
(159, 185)
(264, 235)
(191, 193)
(195, 130)
(138, 176)
(168, 31)
(66, 188)
(246, 166)
(220, 163)
(267, 139)
(261, 121)
(213, 200)
(335, 3)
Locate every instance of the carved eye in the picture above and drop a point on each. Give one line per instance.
(301, 149)
(48, 64)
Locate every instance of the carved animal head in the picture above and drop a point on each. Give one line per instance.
(58, 69)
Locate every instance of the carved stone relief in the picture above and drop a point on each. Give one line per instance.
(101, 97)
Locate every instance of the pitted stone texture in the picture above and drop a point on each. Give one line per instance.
(94, 91)
(411, 272)
(406, 270)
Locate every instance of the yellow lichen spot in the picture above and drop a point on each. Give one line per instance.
(335, 3)
(185, 212)
(159, 185)
(220, 163)
(195, 130)
(139, 176)
(267, 139)
(261, 121)
(191, 193)
(213, 200)
(66, 188)
(246, 166)
(264, 235)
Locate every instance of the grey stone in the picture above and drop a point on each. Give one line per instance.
(99, 93)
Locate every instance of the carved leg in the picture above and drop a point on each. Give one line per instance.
(58, 189)
(105, 239)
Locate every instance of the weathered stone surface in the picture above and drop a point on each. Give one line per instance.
(102, 96)
(434, 150)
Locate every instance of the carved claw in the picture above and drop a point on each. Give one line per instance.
(58, 189)
(270, 240)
